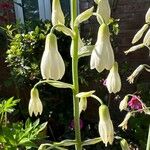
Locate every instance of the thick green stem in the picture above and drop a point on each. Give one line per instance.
(75, 77)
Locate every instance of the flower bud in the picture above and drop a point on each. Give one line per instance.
(35, 104)
(104, 10)
(57, 13)
(134, 48)
(113, 81)
(52, 64)
(147, 16)
(124, 103)
(146, 39)
(139, 34)
(84, 16)
(124, 145)
(135, 73)
(106, 129)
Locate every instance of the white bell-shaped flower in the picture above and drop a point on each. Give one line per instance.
(57, 13)
(104, 10)
(113, 81)
(52, 64)
(35, 104)
(106, 129)
(102, 56)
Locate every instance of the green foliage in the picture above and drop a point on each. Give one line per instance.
(24, 53)
(18, 136)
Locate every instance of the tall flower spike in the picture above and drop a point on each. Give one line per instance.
(35, 104)
(52, 64)
(57, 13)
(106, 129)
(104, 10)
(102, 56)
(113, 81)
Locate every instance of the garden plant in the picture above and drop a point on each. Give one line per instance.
(102, 57)
(53, 67)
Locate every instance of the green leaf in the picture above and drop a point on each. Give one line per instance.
(57, 84)
(91, 141)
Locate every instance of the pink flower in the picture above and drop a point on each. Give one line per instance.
(135, 103)
(72, 124)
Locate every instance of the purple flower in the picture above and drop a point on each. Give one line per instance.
(72, 124)
(135, 103)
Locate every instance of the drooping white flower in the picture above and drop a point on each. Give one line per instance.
(124, 103)
(147, 16)
(102, 56)
(35, 104)
(104, 10)
(83, 100)
(124, 123)
(113, 81)
(52, 64)
(57, 13)
(135, 73)
(140, 33)
(124, 145)
(106, 129)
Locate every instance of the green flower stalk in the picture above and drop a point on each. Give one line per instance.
(113, 81)
(102, 56)
(106, 129)
(52, 64)
(57, 13)
(35, 104)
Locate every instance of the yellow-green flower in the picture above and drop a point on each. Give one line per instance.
(124, 145)
(106, 129)
(57, 13)
(35, 104)
(52, 64)
(102, 56)
(113, 81)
